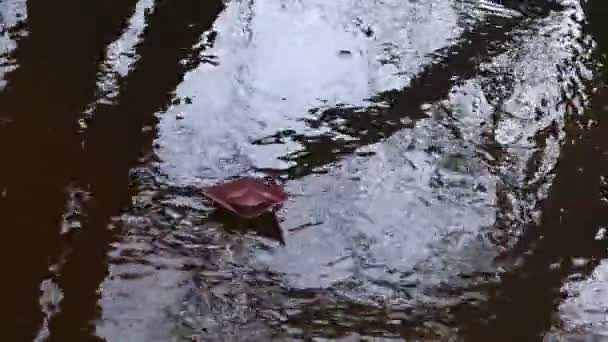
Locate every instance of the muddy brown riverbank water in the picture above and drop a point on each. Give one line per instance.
(447, 163)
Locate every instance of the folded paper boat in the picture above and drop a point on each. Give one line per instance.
(246, 197)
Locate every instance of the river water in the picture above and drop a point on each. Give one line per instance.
(446, 164)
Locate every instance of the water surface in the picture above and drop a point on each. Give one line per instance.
(445, 161)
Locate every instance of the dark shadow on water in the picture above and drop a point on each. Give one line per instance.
(523, 304)
(115, 140)
(266, 225)
(40, 149)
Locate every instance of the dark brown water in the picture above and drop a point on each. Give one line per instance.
(446, 161)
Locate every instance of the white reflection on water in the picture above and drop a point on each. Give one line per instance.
(276, 61)
(415, 212)
(12, 13)
(585, 310)
(121, 55)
